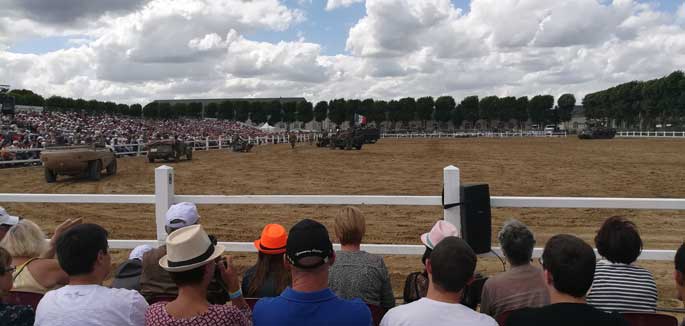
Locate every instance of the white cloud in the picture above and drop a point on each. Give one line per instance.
(334, 4)
(203, 48)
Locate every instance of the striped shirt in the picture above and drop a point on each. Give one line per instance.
(622, 287)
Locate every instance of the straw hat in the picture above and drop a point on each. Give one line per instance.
(273, 240)
(189, 248)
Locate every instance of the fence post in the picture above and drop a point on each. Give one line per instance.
(164, 197)
(220, 139)
(450, 188)
(207, 143)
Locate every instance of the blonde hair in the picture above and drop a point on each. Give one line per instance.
(25, 239)
(350, 225)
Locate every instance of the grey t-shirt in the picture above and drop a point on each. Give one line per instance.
(359, 274)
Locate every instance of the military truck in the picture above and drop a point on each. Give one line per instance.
(348, 139)
(324, 140)
(169, 149)
(81, 161)
(597, 130)
(371, 135)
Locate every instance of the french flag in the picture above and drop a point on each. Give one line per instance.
(360, 119)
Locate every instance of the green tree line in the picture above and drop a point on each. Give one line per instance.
(641, 104)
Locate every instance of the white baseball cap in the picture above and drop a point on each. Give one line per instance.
(138, 252)
(181, 215)
(7, 219)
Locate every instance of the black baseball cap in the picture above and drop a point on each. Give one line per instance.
(308, 238)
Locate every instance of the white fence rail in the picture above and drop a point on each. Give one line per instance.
(650, 134)
(165, 196)
(471, 134)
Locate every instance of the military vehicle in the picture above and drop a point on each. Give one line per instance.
(241, 146)
(597, 130)
(347, 139)
(371, 135)
(83, 161)
(168, 149)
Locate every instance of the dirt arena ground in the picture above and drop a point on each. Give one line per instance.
(512, 167)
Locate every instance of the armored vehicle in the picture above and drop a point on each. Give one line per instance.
(168, 149)
(241, 146)
(323, 141)
(371, 135)
(597, 130)
(85, 161)
(348, 139)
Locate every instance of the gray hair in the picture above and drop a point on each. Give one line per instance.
(517, 242)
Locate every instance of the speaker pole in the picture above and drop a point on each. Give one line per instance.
(451, 184)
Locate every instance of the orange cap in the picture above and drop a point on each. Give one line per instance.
(273, 240)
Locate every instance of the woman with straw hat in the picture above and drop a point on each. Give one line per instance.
(268, 278)
(192, 260)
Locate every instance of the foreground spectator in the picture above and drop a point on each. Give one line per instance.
(618, 284)
(127, 275)
(191, 261)
(416, 284)
(6, 222)
(37, 270)
(679, 272)
(83, 253)
(11, 315)
(155, 282)
(356, 273)
(569, 265)
(309, 256)
(523, 285)
(450, 268)
(268, 278)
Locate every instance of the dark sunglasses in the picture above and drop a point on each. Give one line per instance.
(9, 270)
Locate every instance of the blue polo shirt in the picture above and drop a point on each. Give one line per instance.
(310, 308)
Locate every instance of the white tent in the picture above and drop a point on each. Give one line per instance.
(267, 128)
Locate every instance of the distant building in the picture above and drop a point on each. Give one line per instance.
(205, 102)
(578, 119)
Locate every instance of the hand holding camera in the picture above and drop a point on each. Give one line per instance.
(228, 274)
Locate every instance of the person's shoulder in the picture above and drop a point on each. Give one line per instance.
(123, 295)
(267, 303)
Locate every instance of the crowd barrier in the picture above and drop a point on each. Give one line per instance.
(165, 196)
(198, 145)
(472, 134)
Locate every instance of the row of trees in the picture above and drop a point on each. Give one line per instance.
(640, 104)
(540, 109)
(59, 103)
(488, 110)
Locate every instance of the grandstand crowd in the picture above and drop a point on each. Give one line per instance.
(299, 279)
(40, 129)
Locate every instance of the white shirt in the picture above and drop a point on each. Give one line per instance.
(435, 313)
(87, 305)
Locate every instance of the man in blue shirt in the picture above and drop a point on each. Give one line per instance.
(309, 255)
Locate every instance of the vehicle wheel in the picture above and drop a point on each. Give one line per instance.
(358, 147)
(94, 168)
(151, 160)
(112, 168)
(190, 155)
(50, 176)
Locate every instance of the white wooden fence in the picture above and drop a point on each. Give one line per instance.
(165, 196)
(650, 134)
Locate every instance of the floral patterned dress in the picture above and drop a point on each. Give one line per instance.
(157, 315)
(15, 315)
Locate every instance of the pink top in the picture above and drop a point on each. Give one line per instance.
(156, 315)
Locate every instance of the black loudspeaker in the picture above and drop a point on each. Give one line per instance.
(476, 224)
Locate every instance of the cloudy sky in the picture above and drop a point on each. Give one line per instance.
(139, 50)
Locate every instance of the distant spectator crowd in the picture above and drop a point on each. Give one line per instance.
(299, 279)
(38, 130)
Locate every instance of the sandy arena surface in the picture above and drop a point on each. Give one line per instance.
(512, 167)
